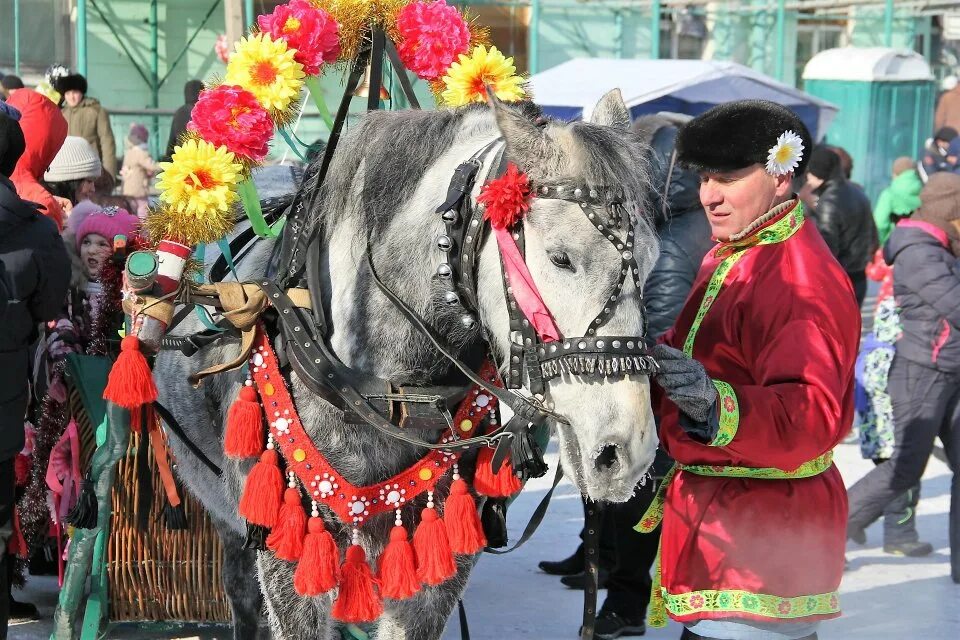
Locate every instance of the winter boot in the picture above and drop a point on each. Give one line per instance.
(900, 526)
(611, 625)
(566, 567)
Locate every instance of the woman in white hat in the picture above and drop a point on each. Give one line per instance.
(72, 175)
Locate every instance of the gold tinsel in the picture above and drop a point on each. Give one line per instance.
(357, 17)
(166, 222)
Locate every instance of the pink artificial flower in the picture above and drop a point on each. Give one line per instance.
(231, 116)
(432, 35)
(312, 32)
(222, 48)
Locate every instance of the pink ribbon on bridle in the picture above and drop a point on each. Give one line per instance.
(524, 288)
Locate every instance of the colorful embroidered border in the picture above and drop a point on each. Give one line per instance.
(806, 470)
(729, 414)
(713, 288)
(758, 604)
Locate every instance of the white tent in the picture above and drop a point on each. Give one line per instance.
(570, 90)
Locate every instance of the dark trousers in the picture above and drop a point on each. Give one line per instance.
(690, 635)
(926, 403)
(7, 489)
(859, 280)
(900, 516)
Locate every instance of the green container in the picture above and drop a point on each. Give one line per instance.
(887, 102)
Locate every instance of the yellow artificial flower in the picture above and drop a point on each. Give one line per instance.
(201, 180)
(266, 68)
(466, 80)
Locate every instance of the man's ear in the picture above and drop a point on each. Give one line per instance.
(784, 184)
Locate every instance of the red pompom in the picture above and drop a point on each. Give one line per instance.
(502, 485)
(319, 568)
(260, 503)
(286, 539)
(435, 563)
(358, 600)
(244, 433)
(398, 568)
(130, 383)
(507, 198)
(462, 520)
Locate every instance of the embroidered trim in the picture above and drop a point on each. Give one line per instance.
(762, 220)
(729, 414)
(758, 604)
(354, 505)
(775, 233)
(654, 513)
(807, 470)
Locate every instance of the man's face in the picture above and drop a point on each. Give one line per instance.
(734, 199)
(943, 145)
(72, 97)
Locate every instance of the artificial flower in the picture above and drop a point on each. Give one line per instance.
(785, 156)
(266, 68)
(222, 48)
(201, 178)
(432, 35)
(312, 32)
(231, 116)
(506, 198)
(467, 79)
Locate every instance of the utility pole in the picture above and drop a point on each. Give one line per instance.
(233, 21)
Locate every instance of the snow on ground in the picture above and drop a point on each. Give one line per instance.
(883, 597)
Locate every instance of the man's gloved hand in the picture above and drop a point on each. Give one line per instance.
(685, 382)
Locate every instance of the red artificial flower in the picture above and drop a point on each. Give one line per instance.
(432, 35)
(312, 32)
(507, 198)
(231, 116)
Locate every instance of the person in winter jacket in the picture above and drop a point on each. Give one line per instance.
(948, 109)
(73, 172)
(44, 129)
(935, 152)
(181, 118)
(924, 379)
(87, 119)
(37, 275)
(898, 200)
(843, 217)
(138, 168)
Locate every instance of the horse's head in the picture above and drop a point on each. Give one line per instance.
(588, 216)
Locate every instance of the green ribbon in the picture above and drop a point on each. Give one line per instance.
(313, 87)
(292, 144)
(247, 191)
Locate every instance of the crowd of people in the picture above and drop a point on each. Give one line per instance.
(726, 213)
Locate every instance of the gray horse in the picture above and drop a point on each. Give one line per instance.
(387, 178)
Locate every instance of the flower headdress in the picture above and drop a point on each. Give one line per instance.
(785, 155)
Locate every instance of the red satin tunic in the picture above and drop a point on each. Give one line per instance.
(783, 332)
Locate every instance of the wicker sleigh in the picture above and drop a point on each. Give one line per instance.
(161, 575)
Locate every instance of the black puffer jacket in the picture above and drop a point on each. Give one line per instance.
(846, 223)
(37, 275)
(684, 236)
(926, 284)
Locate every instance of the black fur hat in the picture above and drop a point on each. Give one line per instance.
(738, 134)
(72, 82)
(12, 144)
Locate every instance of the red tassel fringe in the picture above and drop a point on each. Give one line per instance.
(462, 520)
(435, 563)
(319, 568)
(502, 485)
(286, 539)
(398, 569)
(358, 600)
(244, 432)
(260, 503)
(130, 383)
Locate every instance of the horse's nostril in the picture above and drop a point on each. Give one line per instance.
(607, 457)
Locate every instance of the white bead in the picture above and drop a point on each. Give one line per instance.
(325, 486)
(258, 359)
(393, 497)
(483, 400)
(357, 507)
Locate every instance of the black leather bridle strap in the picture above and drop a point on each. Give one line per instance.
(174, 426)
(401, 72)
(591, 561)
(535, 519)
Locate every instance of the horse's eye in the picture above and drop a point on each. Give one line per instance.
(561, 260)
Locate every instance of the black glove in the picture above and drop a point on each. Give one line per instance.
(686, 382)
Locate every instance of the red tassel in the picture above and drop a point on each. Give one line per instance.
(260, 503)
(130, 383)
(244, 432)
(462, 520)
(502, 485)
(358, 600)
(435, 563)
(319, 568)
(286, 539)
(398, 570)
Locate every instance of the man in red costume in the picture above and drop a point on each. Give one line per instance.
(757, 381)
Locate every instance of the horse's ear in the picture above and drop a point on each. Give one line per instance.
(528, 144)
(612, 111)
